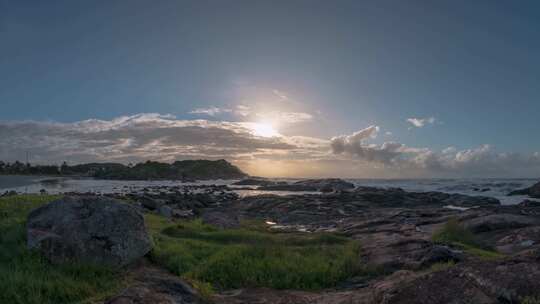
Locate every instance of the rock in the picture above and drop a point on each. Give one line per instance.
(10, 193)
(166, 211)
(529, 203)
(441, 254)
(254, 182)
(322, 185)
(153, 285)
(220, 219)
(89, 229)
(182, 213)
(151, 202)
(486, 282)
(499, 221)
(533, 191)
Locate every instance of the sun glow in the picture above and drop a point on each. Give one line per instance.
(264, 130)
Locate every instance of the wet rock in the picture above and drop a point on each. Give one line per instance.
(95, 230)
(220, 219)
(322, 185)
(533, 191)
(529, 203)
(254, 182)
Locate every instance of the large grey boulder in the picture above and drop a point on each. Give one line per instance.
(88, 229)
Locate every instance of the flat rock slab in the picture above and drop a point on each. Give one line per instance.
(153, 285)
(272, 296)
(88, 229)
(502, 281)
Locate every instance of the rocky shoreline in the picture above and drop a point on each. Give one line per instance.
(396, 231)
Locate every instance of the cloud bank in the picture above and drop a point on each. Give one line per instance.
(131, 138)
(482, 161)
(164, 137)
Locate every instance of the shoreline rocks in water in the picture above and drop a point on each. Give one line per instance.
(311, 185)
(95, 230)
(533, 191)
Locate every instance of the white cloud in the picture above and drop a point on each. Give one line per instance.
(166, 138)
(421, 122)
(242, 110)
(480, 161)
(285, 117)
(131, 138)
(211, 111)
(357, 146)
(280, 94)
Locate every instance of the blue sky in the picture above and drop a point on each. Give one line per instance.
(467, 71)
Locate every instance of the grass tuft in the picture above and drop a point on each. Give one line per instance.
(530, 300)
(442, 266)
(235, 258)
(455, 235)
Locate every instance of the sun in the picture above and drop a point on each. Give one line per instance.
(264, 130)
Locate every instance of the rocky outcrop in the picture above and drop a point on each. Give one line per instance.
(533, 191)
(312, 209)
(322, 185)
(500, 281)
(152, 285)
(256, 182)
(500, 221)
(93, 230)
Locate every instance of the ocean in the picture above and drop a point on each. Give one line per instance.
(493, 187)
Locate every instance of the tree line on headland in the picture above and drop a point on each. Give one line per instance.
(179, 170)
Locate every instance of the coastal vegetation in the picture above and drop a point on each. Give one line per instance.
(252, 256)
(27, 277)
(209, 258)
(179, 170)
(455, 235)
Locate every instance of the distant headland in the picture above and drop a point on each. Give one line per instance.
(149, 170)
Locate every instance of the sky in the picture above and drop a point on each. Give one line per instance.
(375, 89)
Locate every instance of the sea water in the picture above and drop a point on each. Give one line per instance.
(497, 188)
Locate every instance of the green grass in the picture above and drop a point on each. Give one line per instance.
(442, 266)
(530, 300)
(455, 235)
(251, 256)
(26, 277)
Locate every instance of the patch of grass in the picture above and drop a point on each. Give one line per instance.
(530, 300)
(455, 235)
(246, 257)
(26, 277)
(442, 266)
